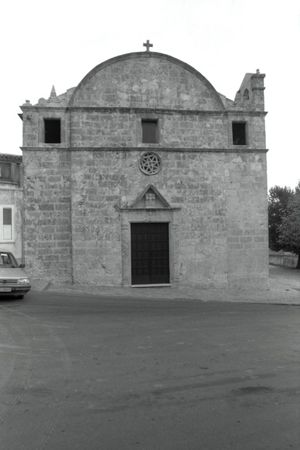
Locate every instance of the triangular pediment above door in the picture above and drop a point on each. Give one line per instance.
(150, 198)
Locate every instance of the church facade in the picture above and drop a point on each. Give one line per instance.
(144, 174)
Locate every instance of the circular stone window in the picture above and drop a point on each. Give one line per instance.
(150, 163)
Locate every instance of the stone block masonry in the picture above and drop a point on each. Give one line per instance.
(47, 221)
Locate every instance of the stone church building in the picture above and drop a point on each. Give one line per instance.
(144, 174)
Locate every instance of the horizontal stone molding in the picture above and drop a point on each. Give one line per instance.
(136, 110)
(38, 108)
(241, 149)
(150, 209)
(245, 112)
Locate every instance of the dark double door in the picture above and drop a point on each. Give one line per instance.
(150, 253)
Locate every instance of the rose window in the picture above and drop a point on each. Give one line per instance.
(150, 163)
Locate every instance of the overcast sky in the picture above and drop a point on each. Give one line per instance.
(59, 41)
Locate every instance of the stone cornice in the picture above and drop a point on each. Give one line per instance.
(135, 110)
(238, 149)
(128, 208)
(245, 112)
(38, 108)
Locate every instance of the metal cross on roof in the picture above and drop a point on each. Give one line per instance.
(148, 45)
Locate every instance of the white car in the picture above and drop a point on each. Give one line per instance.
(13, 280)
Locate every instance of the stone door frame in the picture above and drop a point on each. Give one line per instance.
(129, 216)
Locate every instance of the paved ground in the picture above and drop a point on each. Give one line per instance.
(284, 287)
(88, 372)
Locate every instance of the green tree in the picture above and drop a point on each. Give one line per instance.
(289, 230)
(278, 201)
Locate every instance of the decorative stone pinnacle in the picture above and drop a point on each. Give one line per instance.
(148, 45)
(52, 93)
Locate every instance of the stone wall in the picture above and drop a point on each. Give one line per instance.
(178, 130)
(222, 242)
(47, 217)
(281, 258)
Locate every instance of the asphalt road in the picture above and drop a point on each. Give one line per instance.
(89, 373)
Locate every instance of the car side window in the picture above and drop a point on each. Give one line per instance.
(6, 260)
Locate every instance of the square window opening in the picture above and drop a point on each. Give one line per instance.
(5, 171)
(150, 131)
(239, 133)
(52, 131)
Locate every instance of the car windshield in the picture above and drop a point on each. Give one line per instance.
(7, 260)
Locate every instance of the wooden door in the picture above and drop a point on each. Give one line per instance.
(150, 253)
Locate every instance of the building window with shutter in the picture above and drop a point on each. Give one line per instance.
(6, 223)
(5, 171)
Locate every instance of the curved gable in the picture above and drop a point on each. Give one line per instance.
(146, 80)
